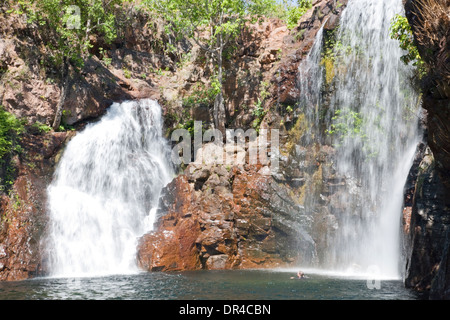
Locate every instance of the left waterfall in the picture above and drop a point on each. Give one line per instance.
(105, 191)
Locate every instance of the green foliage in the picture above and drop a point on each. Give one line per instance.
(201, 95)
(106, 60)
(351, 125)
(211, 24)
(294, 13)
(216, 87)
(329, 54)
(259, 113)
(264, 7)
(263, 93)
(185, 58)
(11, 129)
(190, 127)
(189, 18)
(332, 54)
(65, 127)
(328, 63)
(259, 109)
(284, 10)
(126, 73)
(347, 123)
(41, 127)
(67, 24)
(401, 31)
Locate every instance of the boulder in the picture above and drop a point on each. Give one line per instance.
(238, 218)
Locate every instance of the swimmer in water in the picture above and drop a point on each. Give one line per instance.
(300, 275)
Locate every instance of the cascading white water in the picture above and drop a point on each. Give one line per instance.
(105, 191)
(372, 118)
(310, 82)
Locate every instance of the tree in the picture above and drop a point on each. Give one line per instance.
(66, 27)
(10, 130)
(212, 24)
(401, 31)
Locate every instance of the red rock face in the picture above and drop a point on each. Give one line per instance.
(23, 210)
(218, 218)
(174, 248)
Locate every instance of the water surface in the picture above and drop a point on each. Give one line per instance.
(205, 285)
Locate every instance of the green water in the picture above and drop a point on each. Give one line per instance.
(205, 285)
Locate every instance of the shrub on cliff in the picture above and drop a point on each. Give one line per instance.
(213, 24)
(66, 27)
(401, 31)
(10, 130)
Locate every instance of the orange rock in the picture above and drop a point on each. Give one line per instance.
(210, 231)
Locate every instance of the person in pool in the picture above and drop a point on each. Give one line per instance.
(300, 275)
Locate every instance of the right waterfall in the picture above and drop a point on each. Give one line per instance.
(368, 110)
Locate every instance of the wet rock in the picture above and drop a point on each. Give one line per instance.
(428, 237)
(217, 262)
(428, 231)
(332, 22)
(285, 77)
(251, 222)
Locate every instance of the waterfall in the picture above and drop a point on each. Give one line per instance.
(369, 110)
(310, 83)
(105, 191)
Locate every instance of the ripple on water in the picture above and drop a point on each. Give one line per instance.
(204, 285)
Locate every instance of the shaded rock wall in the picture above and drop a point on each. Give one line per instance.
(428, 230)
(427, 268)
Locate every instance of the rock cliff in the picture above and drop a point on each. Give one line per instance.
(243, 216)
(427, 263)
(217, 217)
